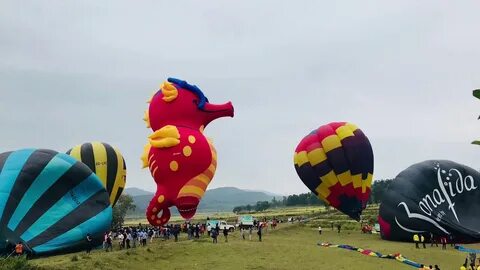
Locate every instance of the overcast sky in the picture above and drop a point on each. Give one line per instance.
(403, 71)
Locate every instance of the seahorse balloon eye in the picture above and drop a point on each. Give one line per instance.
(180, 158)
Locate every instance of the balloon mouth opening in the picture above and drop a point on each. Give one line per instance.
(187, 211)
(187, 207)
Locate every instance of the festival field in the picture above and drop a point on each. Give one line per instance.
(287, 247)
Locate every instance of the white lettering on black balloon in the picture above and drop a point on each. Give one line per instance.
(450, 184)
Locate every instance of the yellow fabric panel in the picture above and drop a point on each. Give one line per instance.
(323, 191)
(100, 157)
(344, 178)
(300, 158)
(167, 131)
(331, 142)
(212, 168)
(144, 158)
(191, 189)
(329, 179)
(120, 180)
(367, 183)
(344, 132)
(357, 180)
(76, 152)
(316, 156)
(202, 177)
(164, 142)
(351, 126)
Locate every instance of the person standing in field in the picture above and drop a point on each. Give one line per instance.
(120, 240)
(89, 243)
(422, 239)
(259, 232)
(225, 234)
(109, 242)
(129, 239)
(416, 240)
(242, 232)
(433, 240)
(443, 240)
(339, 227)
(214, 236)
(176, 231)
(209, 229)
(250, 231)
(320, 230)
(19, 249)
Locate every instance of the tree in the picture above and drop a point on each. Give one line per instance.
(238, 209)
(124, 204)
(262, 206)
(379, 187)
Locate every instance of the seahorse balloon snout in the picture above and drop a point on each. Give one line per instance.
(181, 159)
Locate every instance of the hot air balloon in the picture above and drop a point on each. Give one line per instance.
(49, 201)
(106, 162)
(435, 196)
(335, 162)
(180, 158)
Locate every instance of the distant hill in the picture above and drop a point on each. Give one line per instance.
(222, 199)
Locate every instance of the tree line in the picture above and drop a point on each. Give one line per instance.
(379, 188)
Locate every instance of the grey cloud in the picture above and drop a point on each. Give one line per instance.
(72, 72)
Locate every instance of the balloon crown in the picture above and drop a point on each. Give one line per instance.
(192, 88)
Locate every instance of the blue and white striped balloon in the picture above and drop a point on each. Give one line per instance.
(49, 201)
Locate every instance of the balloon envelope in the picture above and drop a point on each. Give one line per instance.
(335, 162)
(49, 201)
(435, 196)
(107, 163)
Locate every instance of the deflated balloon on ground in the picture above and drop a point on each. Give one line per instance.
(435, 196)
(335, 162)
(49, 201)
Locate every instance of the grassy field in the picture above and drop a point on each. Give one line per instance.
(287, 247)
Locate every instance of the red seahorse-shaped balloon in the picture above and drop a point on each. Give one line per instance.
(180, 158)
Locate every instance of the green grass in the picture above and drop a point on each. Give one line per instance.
(288, 247)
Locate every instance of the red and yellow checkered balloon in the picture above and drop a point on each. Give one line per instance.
(335, 162)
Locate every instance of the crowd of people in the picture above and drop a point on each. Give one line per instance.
(134, 236)
(433, 240)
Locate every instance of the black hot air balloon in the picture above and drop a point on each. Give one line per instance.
(436, 196)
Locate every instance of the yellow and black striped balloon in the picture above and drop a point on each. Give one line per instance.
(106, 162)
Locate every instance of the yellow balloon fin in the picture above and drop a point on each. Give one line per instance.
(146, 151)
(146, 118)
(169, 91)
(167, 136)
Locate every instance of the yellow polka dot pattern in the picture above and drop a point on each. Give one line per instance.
(174, 166)
(187, 151)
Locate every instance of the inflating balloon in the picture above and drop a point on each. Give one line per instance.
(180, 158)
(335, 162)
(106, 162)
(49, 201)
(440, 197)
